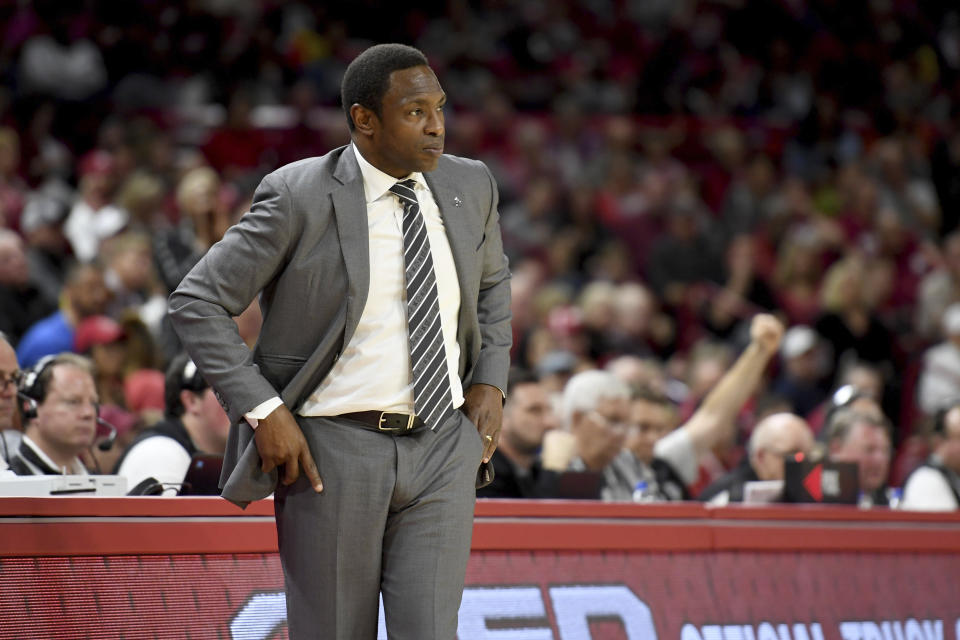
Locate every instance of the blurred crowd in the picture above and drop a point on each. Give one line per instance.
(668, 172)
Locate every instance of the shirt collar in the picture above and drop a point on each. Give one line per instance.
(376, 183)
(76, 466)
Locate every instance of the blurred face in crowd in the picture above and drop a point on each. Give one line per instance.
(14, 271)
(866, 380)
(949, 448)
(134, 266)
(88, 293)
(527, 416)
(203, 411)
(869, 446)
(601, 433)
(649, 421)
(66, 421)
(774, 438)
(8, 386)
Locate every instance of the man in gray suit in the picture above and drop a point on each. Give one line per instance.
(375, 389)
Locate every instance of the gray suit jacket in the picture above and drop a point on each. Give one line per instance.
(303, 247)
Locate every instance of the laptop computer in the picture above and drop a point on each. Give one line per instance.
(203, 475)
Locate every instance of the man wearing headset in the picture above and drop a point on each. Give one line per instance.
(58, 405)
(194, 423)
(10, 433)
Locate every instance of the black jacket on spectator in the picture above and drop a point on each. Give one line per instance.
(510, 482)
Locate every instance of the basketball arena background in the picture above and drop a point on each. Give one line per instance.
(694, 88)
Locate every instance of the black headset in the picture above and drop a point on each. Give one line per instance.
(29, 391)
(182, 375)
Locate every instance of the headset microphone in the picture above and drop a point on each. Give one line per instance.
(107, 443)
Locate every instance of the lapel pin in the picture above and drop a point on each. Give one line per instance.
(457, 201)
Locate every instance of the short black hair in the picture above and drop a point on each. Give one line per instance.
(181, 374)
(367, 78)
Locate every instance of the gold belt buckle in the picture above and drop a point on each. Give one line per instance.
(410, 418)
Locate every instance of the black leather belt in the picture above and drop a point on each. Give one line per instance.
(392, 423)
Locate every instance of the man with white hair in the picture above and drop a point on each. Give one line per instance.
(774, 437)
(594, 412)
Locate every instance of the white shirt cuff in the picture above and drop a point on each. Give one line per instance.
(261, 411)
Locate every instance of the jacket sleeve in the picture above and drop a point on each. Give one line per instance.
(222, 285)
(493, 303)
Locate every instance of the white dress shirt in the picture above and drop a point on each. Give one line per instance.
(373, 371)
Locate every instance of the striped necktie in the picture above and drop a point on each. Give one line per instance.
(428, 357)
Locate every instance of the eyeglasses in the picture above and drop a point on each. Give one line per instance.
(13, 379)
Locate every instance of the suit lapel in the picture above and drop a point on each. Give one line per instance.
(350, 211)
(458, 235)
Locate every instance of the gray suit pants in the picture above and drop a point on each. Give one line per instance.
(395, 516)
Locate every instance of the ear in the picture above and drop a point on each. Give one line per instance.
(365, 121)
(187, 399)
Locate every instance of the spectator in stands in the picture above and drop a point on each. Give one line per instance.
(48, 252)
(774, 438)
(685, 255)
(939, 383)
(195, 423)
(864, 438)
(10, 433)
(939, 289)
(802, 376)
(639, 326)
(102, 339)
(527, 416)
(797, 276)
(849, 324)
(58, 407)
(22, 303)
(935, 486)
(13, 190)
(640, 373)
(203, 221)
(595, 410)
(130, 275)
(85, 294)
(744, 293)
(665, 457)
(94, 217)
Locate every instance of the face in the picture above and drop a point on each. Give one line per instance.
(527, 416)
(66, 421)
(209, 415)
(408, 135)
(601, 433)
(8, 387)
(949, 448)
(869, 447)
(89, 294)
(649, 422)
(14, 270)
(109, 358)
(789, 438)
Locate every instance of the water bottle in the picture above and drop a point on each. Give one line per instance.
(894, 496)
(643, 492)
